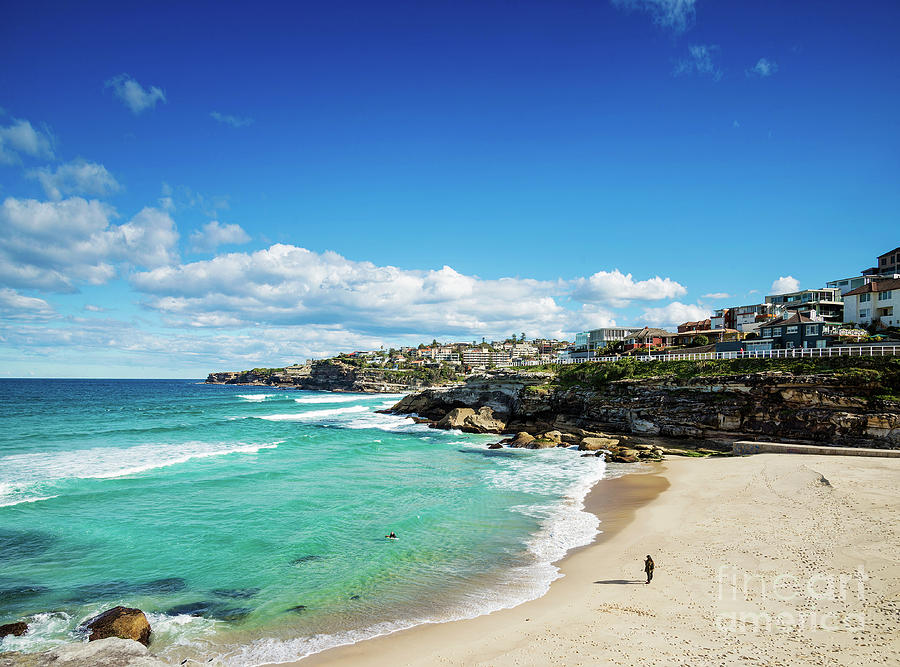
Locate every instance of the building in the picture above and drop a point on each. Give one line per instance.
(744, 318)
(700, 325)
(847, 284)
(886, 264)
(877, 302)
(649, 337)
(587, 342)
(826, 301)
(522, 351)
(484, 356)
(796, 330)
(712, 335)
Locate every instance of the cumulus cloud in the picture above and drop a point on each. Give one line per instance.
(785, 284)
(15, 306)
(675, 14)
(700, 61)
(763, 68)
(717, 295)
(287, 285)
(228, 119)
(673, 314)
(214, 234)
(134, 95)
(76, 178)
(21, 138)
(56, 245)
(616, 288)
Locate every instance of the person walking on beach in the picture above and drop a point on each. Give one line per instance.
(648, 568)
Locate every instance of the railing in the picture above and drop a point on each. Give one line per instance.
(793, 353)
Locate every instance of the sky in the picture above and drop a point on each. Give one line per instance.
(192, 187)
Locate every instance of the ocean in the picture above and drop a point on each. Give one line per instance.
(249, 523)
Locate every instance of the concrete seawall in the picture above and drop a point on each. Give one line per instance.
(749, 447)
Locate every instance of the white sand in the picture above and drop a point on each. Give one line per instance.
(831, 552)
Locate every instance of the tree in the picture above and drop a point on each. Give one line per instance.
(699, 341)
(434, 342)
(523, 337)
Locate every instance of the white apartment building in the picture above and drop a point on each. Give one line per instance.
(522, 351)
(877, 301)
(483, 356)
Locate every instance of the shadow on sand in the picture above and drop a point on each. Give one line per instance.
(621, 581)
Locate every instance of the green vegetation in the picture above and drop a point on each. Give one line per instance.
(871, 371)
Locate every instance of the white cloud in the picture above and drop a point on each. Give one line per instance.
(91, 308)
(228, 119)
(56, 245)
(763, 68)
(287, 285)
(717, 295)
(675, 14)
(700, 61)
(674, 314)
(214, 234)
(616, 288)
(785, 284)
(134, 95)
(76, 178)
(21, 137)
(16, 306)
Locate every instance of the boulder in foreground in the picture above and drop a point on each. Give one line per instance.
(122, 622)
(15, 629)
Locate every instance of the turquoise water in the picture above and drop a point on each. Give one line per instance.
(249, 523)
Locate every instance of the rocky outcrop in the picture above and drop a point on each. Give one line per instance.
(122, 622)
(326, 375)
(112, 652)
(472, 421)
(837, 409)
(15, 629)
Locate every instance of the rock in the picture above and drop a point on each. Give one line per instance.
(109, 652)
(122, 622)
(588, 454)
(522, 439)
(553, 436)
(595, 444)
(541, 443)
(470, 421)
(495, 445)
(421, 420)
(15, 629)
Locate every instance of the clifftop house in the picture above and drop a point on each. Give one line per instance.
(877, 302)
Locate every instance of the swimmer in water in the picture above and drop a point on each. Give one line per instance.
(392, 536)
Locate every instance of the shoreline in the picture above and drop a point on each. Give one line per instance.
(614, 501)
(801, 521)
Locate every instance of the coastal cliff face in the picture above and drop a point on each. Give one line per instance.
(327, 375)
(836, 409)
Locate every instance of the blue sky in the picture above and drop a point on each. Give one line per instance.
(186, 189)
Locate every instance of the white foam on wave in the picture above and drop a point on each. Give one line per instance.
(313, 415)
(45, 631)
(22, 476)
(337, 398)
(256, 398)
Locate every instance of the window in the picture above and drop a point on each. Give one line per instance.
(863, 298)
(776, 331)
(812, 330)
(884, 296)
(863, 313)
(767, 332)
(791, 330)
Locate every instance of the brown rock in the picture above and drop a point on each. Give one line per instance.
(552, 436)
(470, 421)
(495, 445)
(522, 439)
(122, 622)
(15, 629)
(595, 444)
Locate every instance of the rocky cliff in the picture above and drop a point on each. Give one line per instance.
(846, 408)
(331, 375)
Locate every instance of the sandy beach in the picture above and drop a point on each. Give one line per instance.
(770, 559)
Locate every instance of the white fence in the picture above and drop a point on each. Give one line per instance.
(794, 353)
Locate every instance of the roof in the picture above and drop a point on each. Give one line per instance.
(876, 286)
(889, 252)
(651, 332)
(795, 318)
